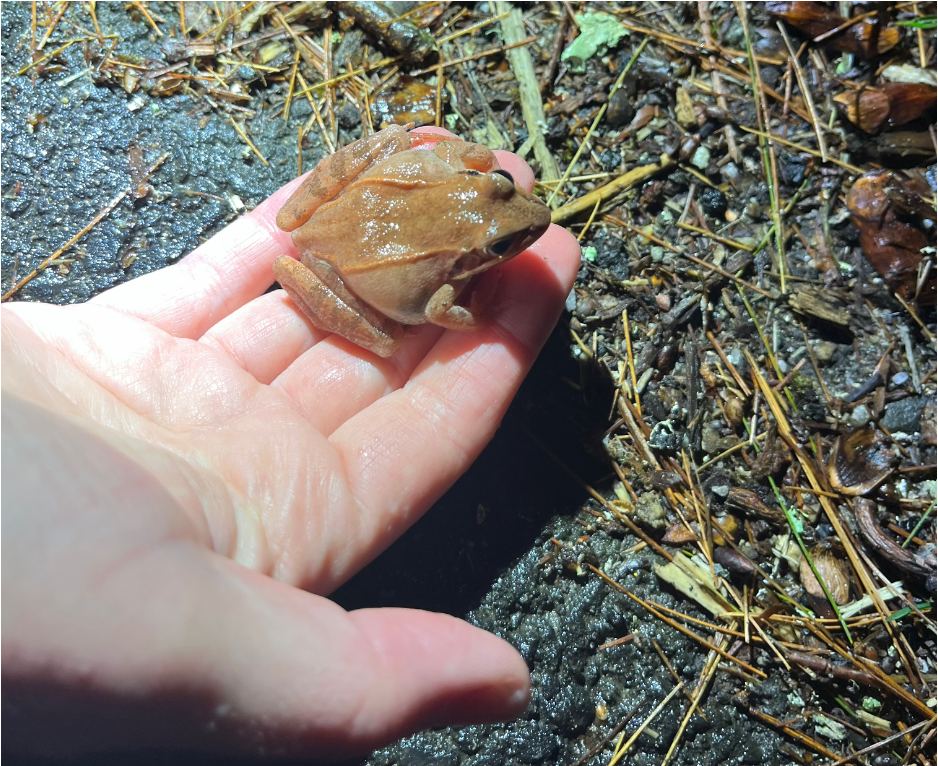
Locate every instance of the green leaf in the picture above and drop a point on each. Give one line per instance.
(923, 22)
(598, 32)
(905, 611)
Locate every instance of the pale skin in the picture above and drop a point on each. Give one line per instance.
(190, 466)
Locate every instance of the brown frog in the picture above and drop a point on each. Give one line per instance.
(390, 235)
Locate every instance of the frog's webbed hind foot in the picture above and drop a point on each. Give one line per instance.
(323, 297)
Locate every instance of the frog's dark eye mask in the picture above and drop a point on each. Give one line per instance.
(499, 172)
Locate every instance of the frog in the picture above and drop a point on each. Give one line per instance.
(392, 228)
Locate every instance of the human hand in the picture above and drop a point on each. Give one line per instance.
(189, 466)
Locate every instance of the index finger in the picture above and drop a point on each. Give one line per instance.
(217, 278)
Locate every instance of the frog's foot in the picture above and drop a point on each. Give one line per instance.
(463, 155)
(443, 311)
(323, 297)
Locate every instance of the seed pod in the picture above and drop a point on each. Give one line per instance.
(833, 572)
(735, 410)
(666, 358)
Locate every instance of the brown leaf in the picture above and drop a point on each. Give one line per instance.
(867, 108)
(859, 461)
(866, 38)
(895, 102)
(749, 503)
(411, 101)
(678, 534)
(891, 243)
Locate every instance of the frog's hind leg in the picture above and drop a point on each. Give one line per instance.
(320, 293)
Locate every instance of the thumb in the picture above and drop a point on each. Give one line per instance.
(186, 650)
(322, 681)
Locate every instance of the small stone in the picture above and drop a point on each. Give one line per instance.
(721, 490)
(701, 158)
(711, 442)
(620, 111)
(782, 366)
(610, 159)
(900, 379)
(730, 172)
(860, 416)
(570, 304)
(904, 415)
(824, 351)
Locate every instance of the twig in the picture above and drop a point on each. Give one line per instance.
(768, 151)
(605, 740)
(550, 72)
(632, 177)
(675, 676)
(805, 91)
(247, 140)
(710, 235)
(142, 8)
(706, 676)
(473, 57)
(677, 626)
(804, 739)
(52, 24)
(651, 717)
(522, 66)
(805, 149)
(729, 365)
(689, 257)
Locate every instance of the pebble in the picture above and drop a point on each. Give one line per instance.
(824, 351)
(860, 416)
(701, 158)
(904, 415)
(900, 379)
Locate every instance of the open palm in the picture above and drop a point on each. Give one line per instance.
(220, 460)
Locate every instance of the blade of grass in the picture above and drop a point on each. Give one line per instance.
(794, 525)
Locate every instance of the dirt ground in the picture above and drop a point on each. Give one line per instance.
(716, 392)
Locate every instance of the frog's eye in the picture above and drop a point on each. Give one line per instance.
(499, 248)
(504, 173)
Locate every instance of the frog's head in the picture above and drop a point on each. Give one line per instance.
(507, 220)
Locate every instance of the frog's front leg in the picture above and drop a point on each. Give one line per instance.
(442, 310)
(320, 293)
